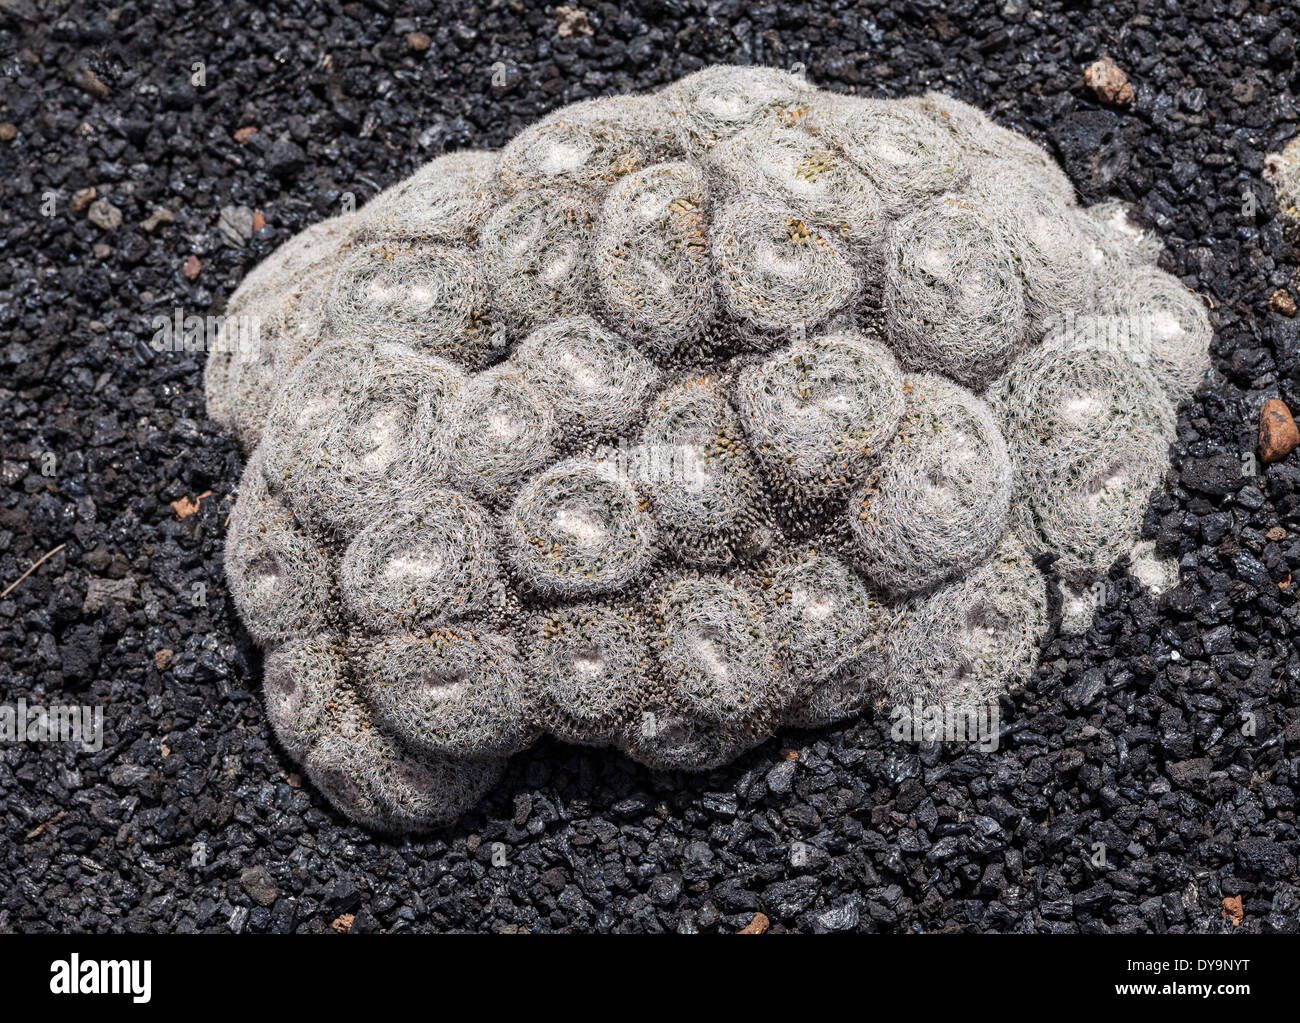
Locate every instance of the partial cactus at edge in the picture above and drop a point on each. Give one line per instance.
(1282, 171)
(684, 417)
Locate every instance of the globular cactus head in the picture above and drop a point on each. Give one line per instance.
(1282, 171)
(684, 417)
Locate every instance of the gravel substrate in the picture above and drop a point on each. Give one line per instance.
(1169, 734)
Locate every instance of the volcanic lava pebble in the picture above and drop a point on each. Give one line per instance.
(1145, 779)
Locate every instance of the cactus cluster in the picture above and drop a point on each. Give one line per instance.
(1282, 171)
(683, 417)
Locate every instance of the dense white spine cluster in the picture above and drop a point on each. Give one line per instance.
(592, 668)
(954, 299)
(1090, 431)
(937, 502)
(820, 412)
(683, 417)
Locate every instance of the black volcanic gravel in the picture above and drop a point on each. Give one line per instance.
(190, 818)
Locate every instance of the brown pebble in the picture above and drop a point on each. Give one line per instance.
(8, 132)
(104, 215)
(418, 41)
(157, 218)
(162, 658)
(1108, 80)
(184, 507)
(1232, 909)
(259, 221)
(572, 21)
(1276, 533)
(1278, 436)
(343, 924)
(1282, 302)
(758, 925)
(191, 267)
(242, 135)
(83, 198)
(87, 81)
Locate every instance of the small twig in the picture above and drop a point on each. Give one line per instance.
(43, 559)
(41, 827)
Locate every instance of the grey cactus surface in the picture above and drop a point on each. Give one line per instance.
(683, 417)
(1282, 171)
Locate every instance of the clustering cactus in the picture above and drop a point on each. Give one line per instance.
(1282, 171)
(683, 417)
